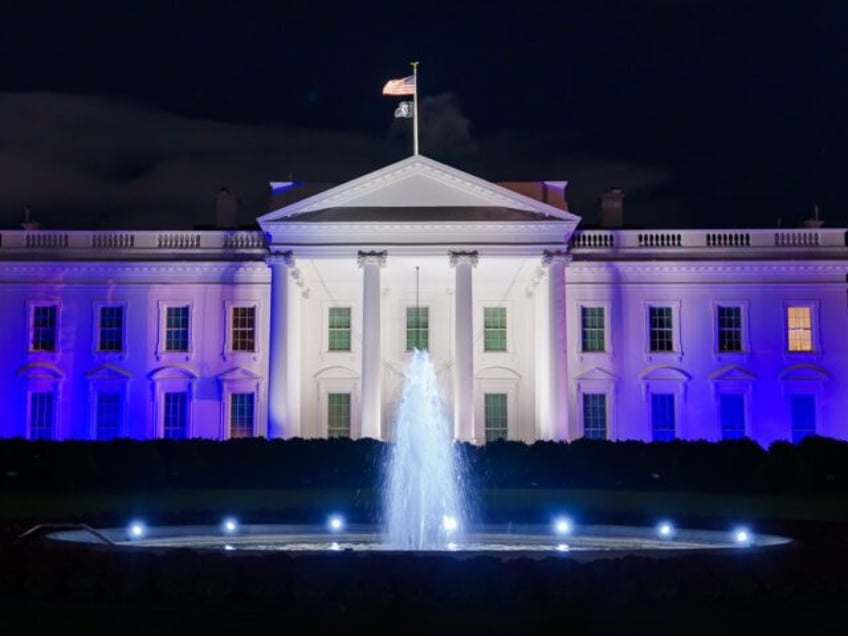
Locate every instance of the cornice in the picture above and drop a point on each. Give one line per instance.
(59, 272)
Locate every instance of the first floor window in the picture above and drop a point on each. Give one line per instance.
(111, 333)
(177, 328)
(175, 415)
(729, 320)
(799, 325)
(732, 415)
(43, 332)
(243, 329)
(592, 329)
(662, 417)
(41, 414)
(494, 328)
(495, 416)
(339, 329)
(802, 408)
(660, 328)
(338, 415)
(417, 328)
(595, 415)
(108, 408)
(241, 414)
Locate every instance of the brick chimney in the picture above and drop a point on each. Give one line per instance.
(612, 208)
(227, 207)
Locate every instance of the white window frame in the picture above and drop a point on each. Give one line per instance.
(108, 379)
(51, 355)
(667, 380)
(355, 317)
(339, 385)
(95, 338)
(743, 354)
(505, 384)
(229, 307)
(510, 337)
(676, 353)
(165, 354)
(42, 378)
(608, 389)
(810, 379)
(240, 384)
(173, 380)
(606, 305)
(813, 305)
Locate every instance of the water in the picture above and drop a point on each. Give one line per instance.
(424, 506)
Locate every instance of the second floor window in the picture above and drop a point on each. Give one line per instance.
(494, 328)
(111, 333)
(592, 329)
(244, 328)
(661, 329)
(43, 328)
(176, 328)
(799, 326)
(417, 328)
(339, 329)
(729, 322)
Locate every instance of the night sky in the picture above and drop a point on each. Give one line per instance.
(705, 113)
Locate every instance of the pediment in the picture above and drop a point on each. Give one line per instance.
(417, 182)
(107, 372)
(732, 373)
(804, 373)
(41, 371)
(664, 374)
(238, 373)
(174, 372)
(596, 374)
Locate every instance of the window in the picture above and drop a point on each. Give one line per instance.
(338, 415)
(41, 414)
(243, 328)
(729, 323)
(595, 415)
(799, 328)
(495, 416)
(732, 415)
(494, 328)
(417, 328)
(662, 417)
(241, 414)
(43, 332)
(339, 329)
(108, 408)
(592, 329)
(176, 328)
(660, 329)
(175, 415)
(110, 335)
(802, 408)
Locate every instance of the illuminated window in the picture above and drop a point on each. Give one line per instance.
(595, 415)
(43, 330)
(417, 328)
(339, 329)
(593, 335)
(110, 335)
(731, 408)
(495, 416)
(177, 328)
(660, 329)
(338, 415)
(41, 414)
(802, 408)
(799, 328)
(662, 417)
(108, 414)
(243, 328)
(494, 328)
(175, 415)
(242, 414)
(729, 324)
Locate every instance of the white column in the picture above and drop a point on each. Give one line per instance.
(463, 359)
(558, 391)
(279, 412)
(371, 399)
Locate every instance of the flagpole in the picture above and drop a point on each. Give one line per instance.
(415, 108)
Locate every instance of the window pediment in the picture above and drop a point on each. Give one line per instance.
(174, 372)
(732, 373)
(41, 371)
(664, 373)
(804, 373)
(108, 372)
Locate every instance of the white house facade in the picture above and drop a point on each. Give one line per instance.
(538, 330)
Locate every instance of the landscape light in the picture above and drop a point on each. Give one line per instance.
(742, 536)
(229, 525)
(563, 525)
(665, 529)
(335, 523)
(136, 530)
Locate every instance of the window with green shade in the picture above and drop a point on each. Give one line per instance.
(592, 336)
(339, 329)
(417, 328)
(595, 415)
(494, 328)
(176, 328)
(241, 414)
(660, 329)
(495, 416)
(338, 415)
(729, 322)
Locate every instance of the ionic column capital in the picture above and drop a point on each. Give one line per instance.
(552, 257)
(371, 258)
(463, 258)
(280, 258)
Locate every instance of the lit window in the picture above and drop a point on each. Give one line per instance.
(729, 323)
(43, 330)
(660, 328)
(732, 415)
(592, 336)
(494, 328)
(495, 416)
(241, 414)
(338, 415)
(339, 329)
(243, 328)
(175, 415)
(111, 332)
(802, 408)
(662, 417)
(799, 322)
(177, 328)
(108, 409)
(595, 415)
(417, 328)
(41, 414)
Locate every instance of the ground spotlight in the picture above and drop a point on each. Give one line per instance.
(563, 525)
(742, 536)
(335, 523)
(136, 529)
(665, 529)
(229, 525)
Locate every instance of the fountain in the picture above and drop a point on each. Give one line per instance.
(425, 504)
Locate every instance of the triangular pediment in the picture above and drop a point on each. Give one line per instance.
(596, 374)
(238, 373)
(732, 373)
(418, 182)
(664, 374)
(174, 372)
(107, 372)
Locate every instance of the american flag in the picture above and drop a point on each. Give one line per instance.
(405, 86)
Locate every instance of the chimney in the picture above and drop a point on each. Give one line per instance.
(29, 222)
(814, 222)
(227, 206)
(612, 208)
